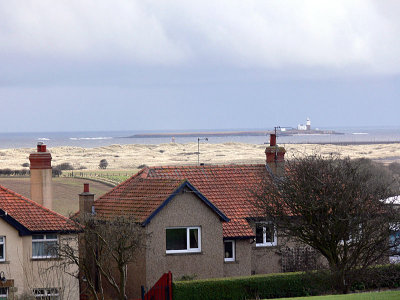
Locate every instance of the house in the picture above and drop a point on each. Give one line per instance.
(29, 235)
(199, 220)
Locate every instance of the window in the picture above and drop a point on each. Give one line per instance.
(265, 235)
(44, 245)
(3, 293)
(2, 248)
(46, 294)
(229, 247)
(394, 240)
(183, 239)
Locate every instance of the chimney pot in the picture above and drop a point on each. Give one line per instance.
(275, 157)
(41, 147)
(86, 201)
(272, 141)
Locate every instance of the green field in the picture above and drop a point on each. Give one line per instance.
(110, 176)
(390, 295)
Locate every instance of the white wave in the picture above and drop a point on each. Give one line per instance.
(359, 133)
(43, 139)
(91, 138)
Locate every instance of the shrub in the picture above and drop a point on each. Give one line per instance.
(103, 164)
(25, 165)
(395, 167)
(65, 166)
(280, 285)
(56, 172)
(7, 172)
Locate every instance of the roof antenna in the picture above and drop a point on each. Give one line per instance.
(276, 148)
(198, 148)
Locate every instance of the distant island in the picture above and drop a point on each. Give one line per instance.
(282, 131)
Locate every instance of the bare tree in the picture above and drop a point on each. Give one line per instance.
(337, 207)
(106, 247)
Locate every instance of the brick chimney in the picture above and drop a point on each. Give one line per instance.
(41, 176)
(275, 157)
(86, 201)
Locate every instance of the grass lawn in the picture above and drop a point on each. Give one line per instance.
(390, 295)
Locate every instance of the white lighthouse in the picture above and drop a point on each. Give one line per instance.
(308, 124)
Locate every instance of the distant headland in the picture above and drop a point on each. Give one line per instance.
(283, 131)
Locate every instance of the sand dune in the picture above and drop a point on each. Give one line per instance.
(132, 156)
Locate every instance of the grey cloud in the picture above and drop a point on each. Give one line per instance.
(340, 36)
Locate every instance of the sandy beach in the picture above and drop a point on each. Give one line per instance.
(134, 155)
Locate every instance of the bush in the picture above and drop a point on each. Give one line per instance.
(103, 164)
(395, 168)
(56, 172)
(253, 287)
(25, 165)
(280, 285)
(64, 166)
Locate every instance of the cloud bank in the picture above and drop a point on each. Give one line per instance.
(361, 37)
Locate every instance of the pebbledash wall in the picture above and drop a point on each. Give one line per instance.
(24, 274)
(185, 210)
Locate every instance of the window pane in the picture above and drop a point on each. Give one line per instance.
(259, 234)
(1, 251)
(38, 249)
(51, 236)
(269, 233)
(51, 248)
(228, 249)
(38, 237)
(194, 238)
(394, 241)
(176, 239)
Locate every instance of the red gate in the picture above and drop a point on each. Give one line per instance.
(162, 290)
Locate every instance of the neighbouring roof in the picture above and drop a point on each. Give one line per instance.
(29, 217)
(143, 198)
(227, 187)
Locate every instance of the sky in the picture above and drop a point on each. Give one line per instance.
(99, 65)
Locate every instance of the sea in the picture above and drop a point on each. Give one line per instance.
(92, 139)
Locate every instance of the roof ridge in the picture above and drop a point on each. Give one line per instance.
(138, 174)
(202, 166)
(30, 201)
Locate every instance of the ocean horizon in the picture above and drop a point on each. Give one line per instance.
(91, 139)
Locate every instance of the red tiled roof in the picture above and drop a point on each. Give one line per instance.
(136, 197)
(31, 217)
(142, 197)
(228, 187)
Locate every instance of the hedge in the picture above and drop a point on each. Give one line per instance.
(279, 285)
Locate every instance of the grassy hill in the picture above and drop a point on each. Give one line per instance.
(65, 191)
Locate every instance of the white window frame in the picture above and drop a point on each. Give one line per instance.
(3, 242)
(188, 249)
(47, 293)
(265, 243)
(44, 240)
(233, 258)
